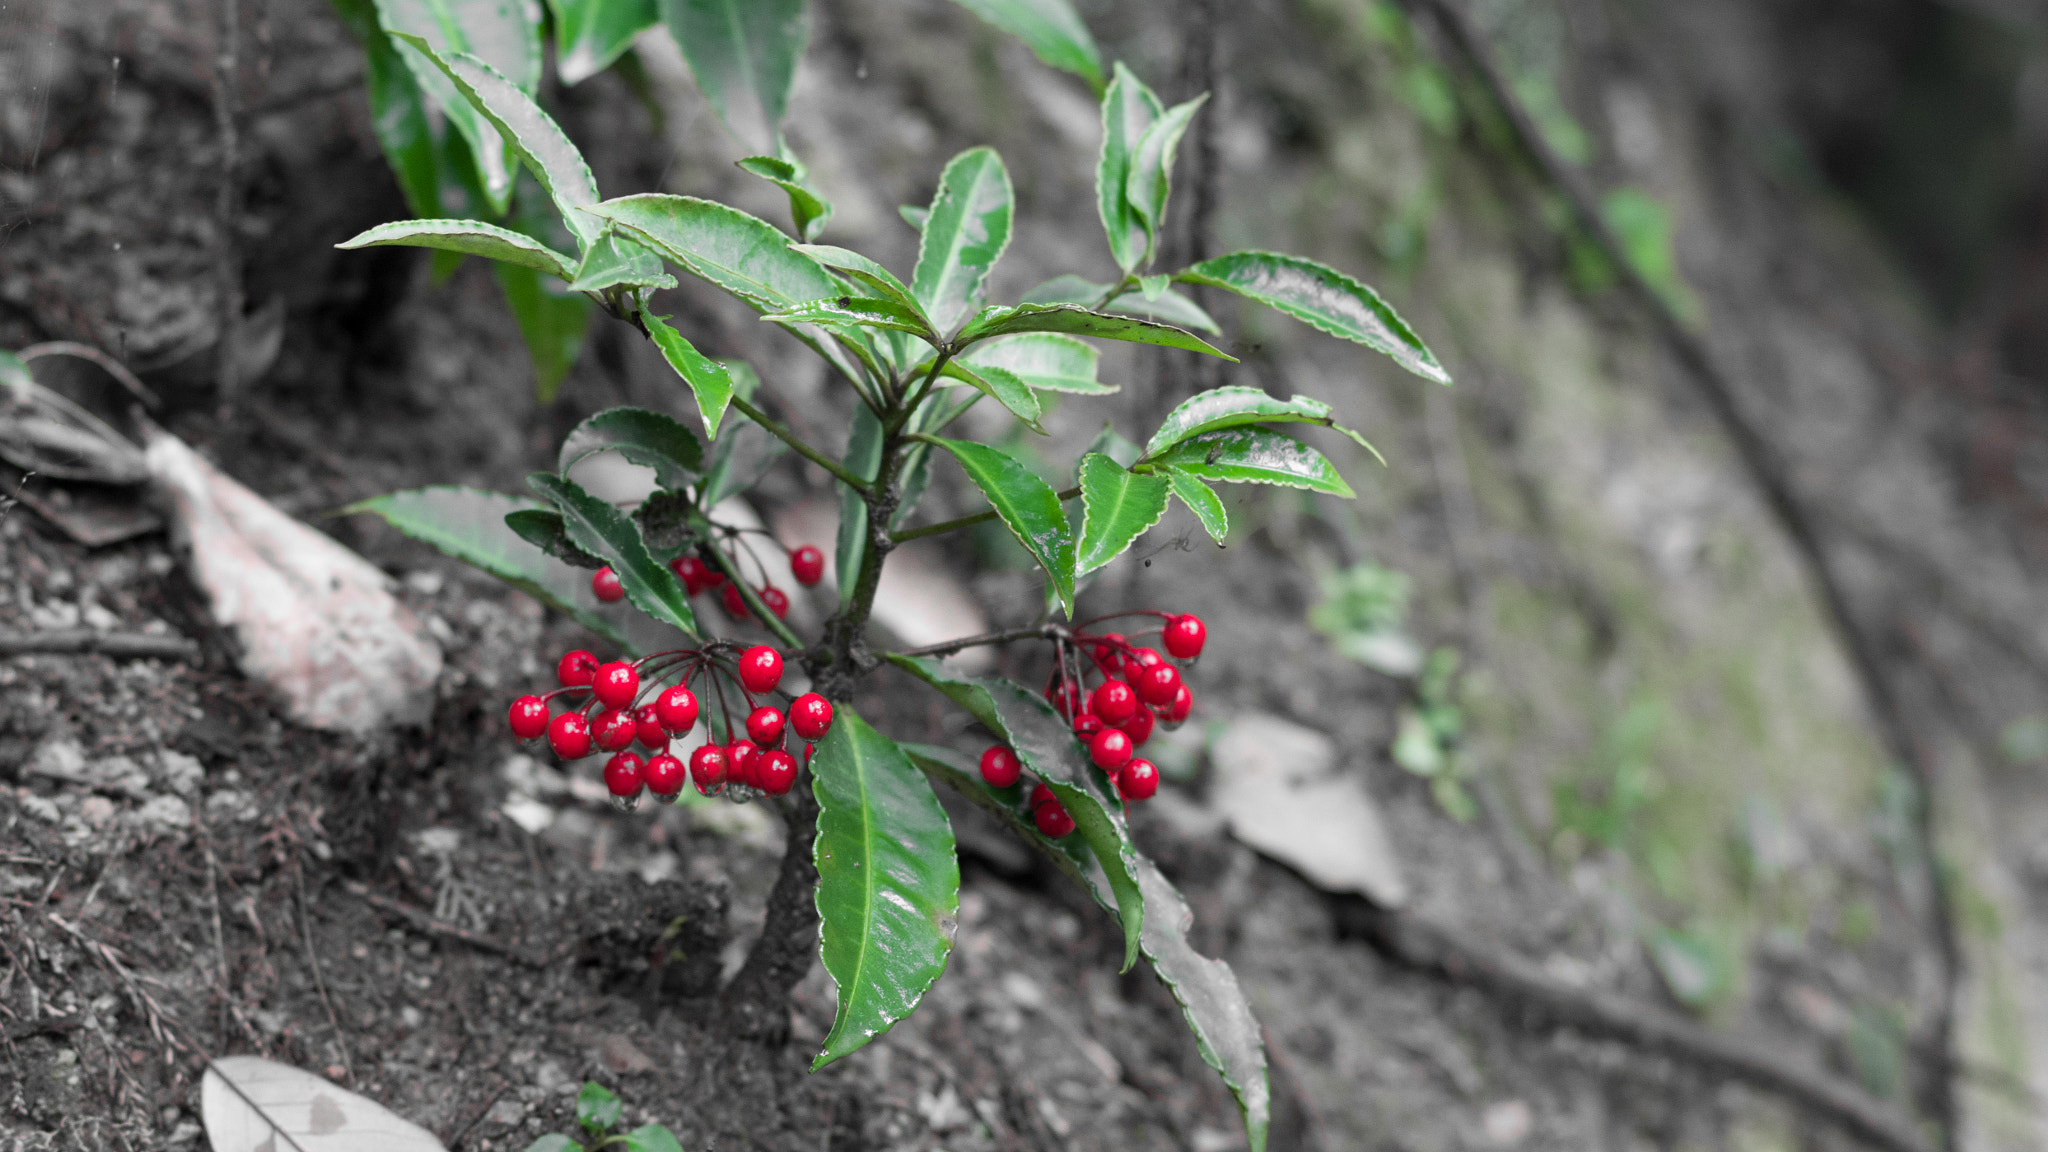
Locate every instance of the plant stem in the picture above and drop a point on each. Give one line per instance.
(752, 599)
(781, 432)
(962, 522)
(1035, 632)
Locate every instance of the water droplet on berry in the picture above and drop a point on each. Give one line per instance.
(625, 803)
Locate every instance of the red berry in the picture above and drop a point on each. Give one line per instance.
(1086, 725)
(529, 717)
(614, 730)
(605, 583)
(1041, 795)
(760, 669)
(1109, 649)
(1052, 820)
(665, 775)
(1184, 636)
(745, 757)
(1158, 684)
(709, 768)
(735, 606)
(1064, 695)
(1000, 768)
(616, 684)
(1138, 727)
(1114, 701)
(807, 564)
(676, 709)
(690, 571)
(648, 730)
(1183, 703)
(764, 726)
(775, 772)
(569, 736)
(811, 716)
(1110, 749)
(624, 774)
(1138, 781)
(1138, 660)
(713, 574)
(777, 601)
(576, 669)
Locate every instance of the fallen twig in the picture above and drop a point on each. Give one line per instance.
(423, 922)
(81, 641)
(319, 982)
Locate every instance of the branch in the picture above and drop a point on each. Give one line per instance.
(962, 522)
(1037, 632)
(106, 363)
(781, 432)
(79, 641)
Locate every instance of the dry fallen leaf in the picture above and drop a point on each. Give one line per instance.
(250, 1104)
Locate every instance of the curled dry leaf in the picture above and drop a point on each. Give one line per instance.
(313, 621)
(251, 1104)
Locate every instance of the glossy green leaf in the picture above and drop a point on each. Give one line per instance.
(1117, 506)
(1253, 456)
(1236, 405)
(550, 319)
(398, 112)
(614, 260)
(1077, 321)
(1051, 29)
(14, 371)
(653, 439)
(745, 255)
(1322, 297)
(855, 312)
(1150, 179)
(807, 210)
(554, 1142)
(655, 1138)
(473, 237)
(708, 379)
(469, 525)
(1128, 109)
(1028, 507)
(743, 54)
(913, 215)
(532, 134)
(597, 1107)
(1002, 385)
(888, 881)
(543, 528)
(498, 32)
(1168, 307)
(590, 34)
(863, 459)
(965, 232)
(1045, 360)
(602, 530)
(1046, 746)
(868, 272)
(962, 773)
(1202, 501)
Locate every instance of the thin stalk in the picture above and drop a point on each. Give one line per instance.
(962, 522)
(1035, 632)
(752, 599)
(781, 432)
(924, 389)
(1115, 290)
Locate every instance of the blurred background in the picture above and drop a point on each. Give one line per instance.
(1691, 647)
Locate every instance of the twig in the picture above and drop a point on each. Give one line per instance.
(106, 954)
(1037, 632)
(219, 942)
(422, 922)
(964, 521)
(313, 960)
(781, 432)
(83, 641)
(106, 363)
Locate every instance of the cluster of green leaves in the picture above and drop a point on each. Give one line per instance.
(915, 354)
(597, 1113)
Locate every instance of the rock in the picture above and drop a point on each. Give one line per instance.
(621, 1055)
(1507, 1123)
(178, 772)
(162, 814)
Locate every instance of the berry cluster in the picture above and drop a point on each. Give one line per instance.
(806, 564)
(1139, 690)
(649, 701)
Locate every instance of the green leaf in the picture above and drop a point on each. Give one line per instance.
(1028, 506)
(743, 54)
(863, 459)
(745, 255)
(888, 881)
(14, 371)
(1006, 387)
(1043, 360)
(1322, 297)
(1117, 506)
(1150, 179)
(1128, 109)
(1051, 29)
(1230, 407)
(554, 1142)
(398, 112)
(533, 135)
(807, 210)
(1046, 746)
(614, 259)
(499, 33)
(543, 528)
(469, 525)
(913, 215)
(551, 322)
(1169, 307)
(1202, 501)
(652, 1138)
(866, 271)
(1110, 444)
(473, 237)
(1254, 456)
(649, 438)
(1077, 321)
(965, 232)
(590, 34)
(708, 379)
(597, 1108)
(602, 530)
(856, 312)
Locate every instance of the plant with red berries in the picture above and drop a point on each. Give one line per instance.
(912, 356)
